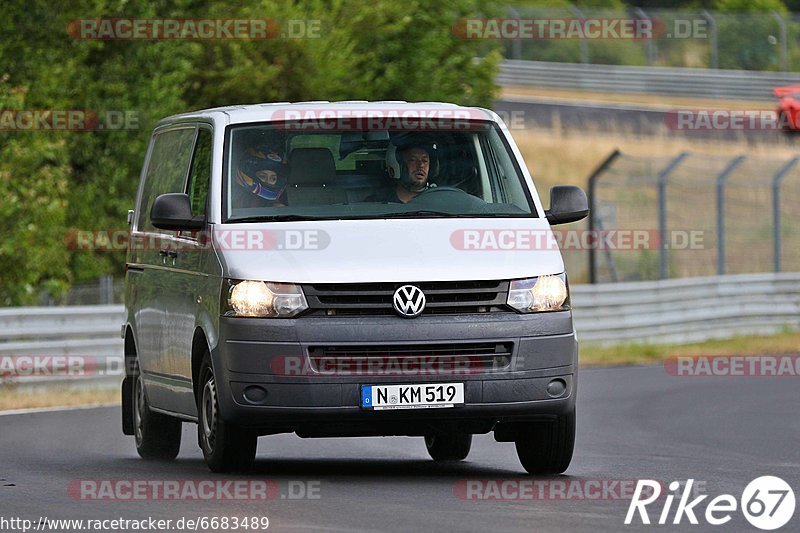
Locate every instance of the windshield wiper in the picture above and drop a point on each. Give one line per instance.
(277, 218)
(424, 213)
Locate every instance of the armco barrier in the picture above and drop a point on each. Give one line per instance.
(673, 310)
(687, 309)
(81, 330)
(666, 81)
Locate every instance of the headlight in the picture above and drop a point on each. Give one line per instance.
(264, 299)
(545, 293)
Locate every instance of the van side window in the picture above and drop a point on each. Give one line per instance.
(200, 173)
(166, 171)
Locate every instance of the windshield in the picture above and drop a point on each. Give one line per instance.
(275, 172)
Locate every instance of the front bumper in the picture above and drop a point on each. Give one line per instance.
(252, 353)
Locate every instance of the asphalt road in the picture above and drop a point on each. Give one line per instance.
(633, 423)
(626, 119)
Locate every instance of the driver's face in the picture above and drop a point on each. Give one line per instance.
(267, 176)
(418, 163)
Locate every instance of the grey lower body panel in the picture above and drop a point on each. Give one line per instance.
(267, 383)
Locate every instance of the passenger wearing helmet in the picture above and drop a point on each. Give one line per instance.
(410, 167)
(260, 178)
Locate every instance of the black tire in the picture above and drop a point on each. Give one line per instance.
(450, 447)
(157, 436)
(545, 448)
(226, 448)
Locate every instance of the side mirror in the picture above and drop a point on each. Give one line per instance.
(567, 204)
(173, 211)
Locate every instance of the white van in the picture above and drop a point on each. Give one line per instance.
(347, 269)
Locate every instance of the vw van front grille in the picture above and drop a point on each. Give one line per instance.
(442, 297)
(416, 358)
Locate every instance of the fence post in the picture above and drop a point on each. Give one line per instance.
(516, 44)
(584, 46)
(106, 290)
(593, 178)
(784, 49)
(662, 211)
(721, 178)
(712, 38)
(777, 179)
(649, 45)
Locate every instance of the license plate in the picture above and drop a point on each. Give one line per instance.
(427, 396)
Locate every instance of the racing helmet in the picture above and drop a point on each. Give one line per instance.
(262, 171)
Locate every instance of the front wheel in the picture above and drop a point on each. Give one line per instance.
(545, 448)
(157, 436)
(450, 447)
(226, 448)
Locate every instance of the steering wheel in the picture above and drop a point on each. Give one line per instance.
(446, 198)
(431, 190)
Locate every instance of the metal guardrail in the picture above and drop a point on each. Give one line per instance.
(665, 81)
(676, 310)
(688, 309)
(91, 331)
(75, 330)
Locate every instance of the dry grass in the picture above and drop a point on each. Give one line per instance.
(555, 157)
(25, 397)
(573, 96)
(566, 158)
(629, 354)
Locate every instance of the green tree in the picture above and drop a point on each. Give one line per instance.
(363, 50)
(748, 33)
(57, 181)
(34, 173)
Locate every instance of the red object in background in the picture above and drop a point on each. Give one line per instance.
(788, 107)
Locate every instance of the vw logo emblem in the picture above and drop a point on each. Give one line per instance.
(409, 301)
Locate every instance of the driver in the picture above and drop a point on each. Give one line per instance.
(260, 179)
(409, 166)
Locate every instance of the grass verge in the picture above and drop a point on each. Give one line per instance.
(28, 397)
(636, 354)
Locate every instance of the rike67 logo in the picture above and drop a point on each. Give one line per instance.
(767, 503)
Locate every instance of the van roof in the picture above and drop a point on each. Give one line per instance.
(236, 114)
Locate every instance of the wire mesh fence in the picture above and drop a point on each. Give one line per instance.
(105, 290)
(754, 40)
(692, 215)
